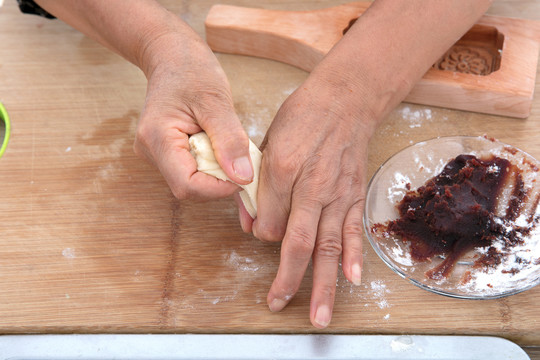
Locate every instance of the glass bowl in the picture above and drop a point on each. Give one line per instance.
(411, 168)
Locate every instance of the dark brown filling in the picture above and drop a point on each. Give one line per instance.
(456, 211)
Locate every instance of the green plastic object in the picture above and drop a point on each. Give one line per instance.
(5, 118)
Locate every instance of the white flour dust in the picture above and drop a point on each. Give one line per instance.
(379, 291)
(517, 269)
(401, 256)
(415, 117)
(238, 266)
(398, 188)
(68, 253)
(225, 298)
(241, 263)
(254, 124)
(214, 300)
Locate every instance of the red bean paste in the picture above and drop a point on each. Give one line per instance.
(455, 212)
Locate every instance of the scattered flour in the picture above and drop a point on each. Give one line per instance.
(237, 264)
(379, 291)
(255, 133)
(415, 117)
(519, 269)
(69, 253)
(401, 256)
(398, 188)
(255, 123)
(218, 299)
(241, 263)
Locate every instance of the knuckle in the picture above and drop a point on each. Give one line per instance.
(270, 233)
(352, 229)
(180, 194)
(142, 136)
(232, 140)
(139, 150)
(301, 240)
(286, 292)
(283, 160)
(182, 191)
(149, 142)
(329, 245)
(327, 291)
(211, 101)
(318, 185)
(354, 224)
(282, 166)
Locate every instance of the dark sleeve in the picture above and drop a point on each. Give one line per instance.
(30, 7)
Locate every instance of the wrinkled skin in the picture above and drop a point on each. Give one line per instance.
(185, 96)
(313, 179)
(311, 195)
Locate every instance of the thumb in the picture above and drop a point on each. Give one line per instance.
(229, 142)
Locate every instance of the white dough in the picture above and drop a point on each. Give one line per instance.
(202, 151)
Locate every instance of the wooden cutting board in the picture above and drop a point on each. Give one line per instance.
(93, 241)
(491, 69)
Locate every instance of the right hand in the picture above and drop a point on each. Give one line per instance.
(188, 92)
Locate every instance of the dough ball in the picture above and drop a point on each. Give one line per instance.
(202, 151)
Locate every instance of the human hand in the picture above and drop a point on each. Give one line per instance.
(312, 184)
(311, 194)
(188, 92)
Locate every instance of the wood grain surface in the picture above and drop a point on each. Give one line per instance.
(93, 241)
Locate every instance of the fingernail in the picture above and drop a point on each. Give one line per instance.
(356, 274)
(322, 316)
(277, 305)
(242, 168)
(242, 223)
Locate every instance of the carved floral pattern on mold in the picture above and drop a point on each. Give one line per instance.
(462, 59)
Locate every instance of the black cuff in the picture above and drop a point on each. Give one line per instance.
(30, 7)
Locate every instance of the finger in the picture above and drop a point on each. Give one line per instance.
(296, 252)
(326, 257)
(273, 204)
(246, 221)
(352, 243)
(154, 131)
(229, 140)
(179, 168)
(187, 183)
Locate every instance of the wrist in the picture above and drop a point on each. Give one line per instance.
(168, 42)
(348, 97)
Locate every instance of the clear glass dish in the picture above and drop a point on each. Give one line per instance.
(411, 168)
